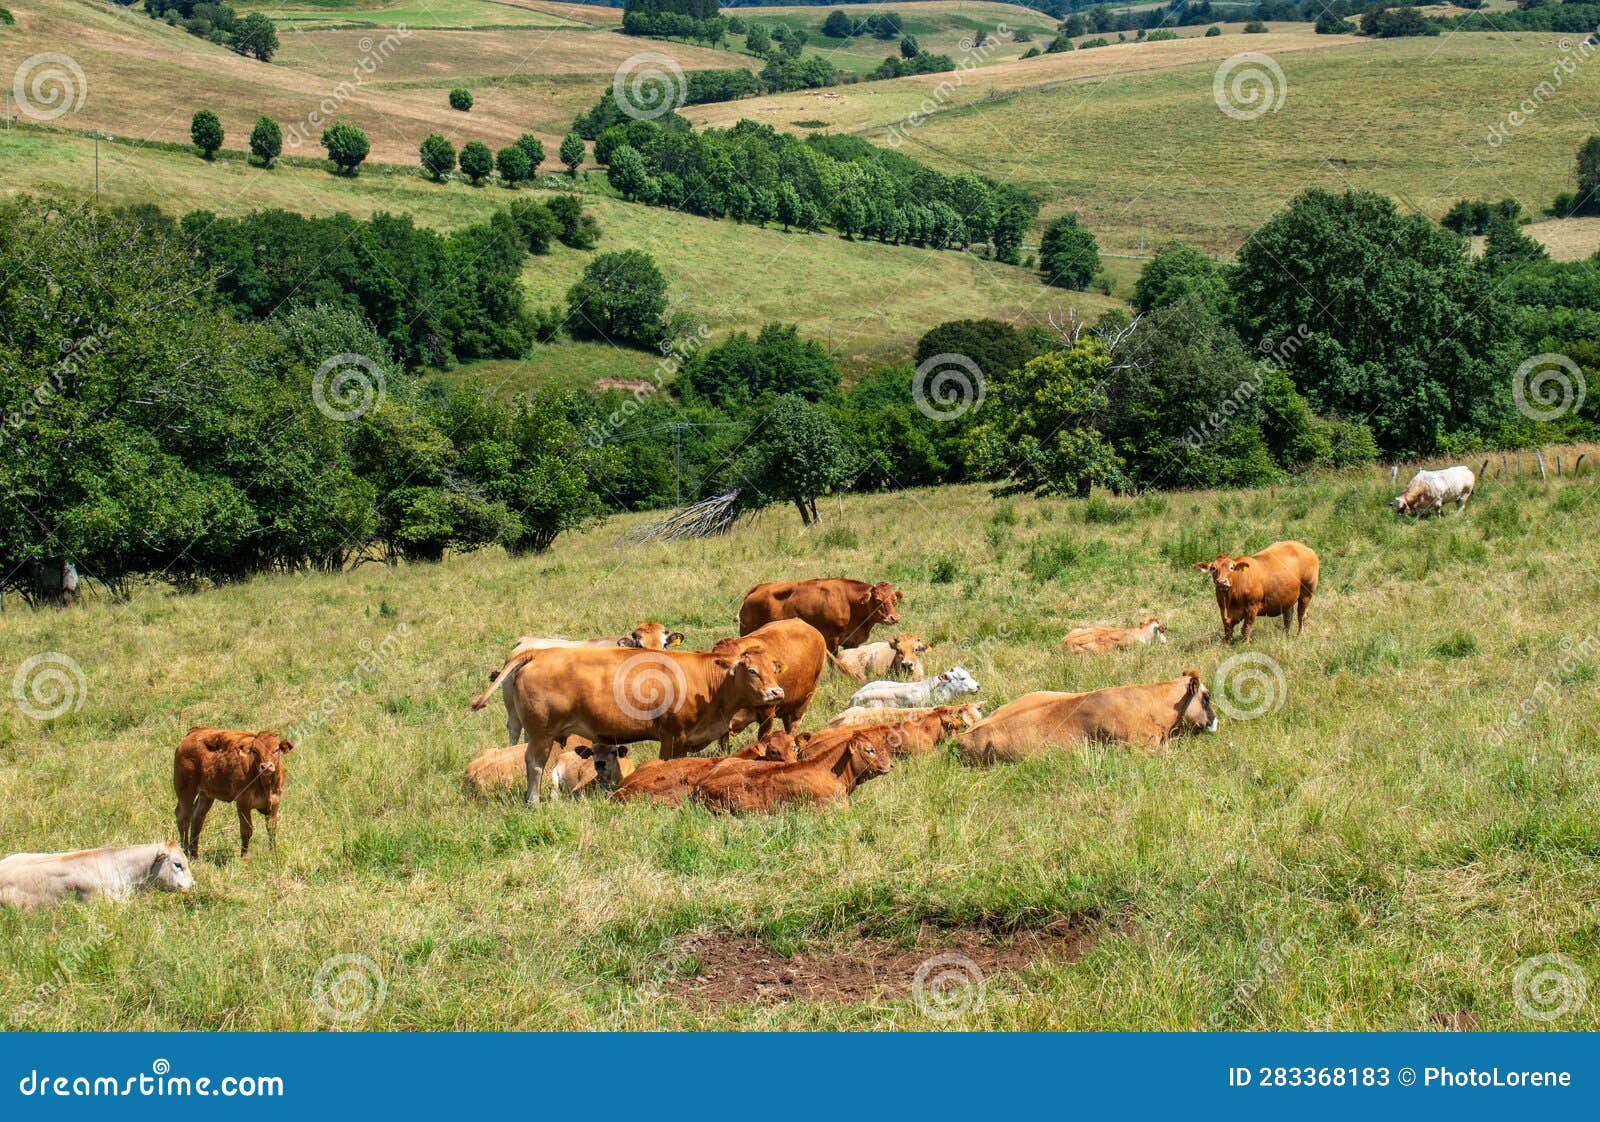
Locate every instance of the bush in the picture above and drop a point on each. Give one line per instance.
(1255, 27)
(347, 146)
(206, 132)
(513, 165)
(438, 156)
(476, 161)
(461, 99)
(1330, 24)
(534, 149)
(1213, 32)
(621, 298)
(266, 141)
(571, 152)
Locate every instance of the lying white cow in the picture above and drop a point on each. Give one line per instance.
(934, 691)
(31, 879)
(1428, 491)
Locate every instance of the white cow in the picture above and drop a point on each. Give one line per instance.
(1428, 491)
(934, 691)
(31, 879)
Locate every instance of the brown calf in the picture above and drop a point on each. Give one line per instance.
(745, 787)
(669, 782)
(908, 736)
(226, 765)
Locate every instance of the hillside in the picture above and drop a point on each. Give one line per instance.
(1352, 850)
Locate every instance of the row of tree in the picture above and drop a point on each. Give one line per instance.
(253, 35)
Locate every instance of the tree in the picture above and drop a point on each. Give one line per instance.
(621, 297)
(347, 146)
(512, 164)
(1378, 315)
(838, 25)
(1038, 431)
(757, 40)
(1213, 32)
(438, 156)
(1068, 255)
(1507, 247)
(266, 141)
(1589, 174)
(206, 132)
(572, 152)
(534, 148)
(794, 453)
(1330, 24)
(992, 345)
(255, 36)
(476, 161)
(738, 370)
(627, 172)
(461, 99)
(908, 47)
(1394, 23)
(1176, 271)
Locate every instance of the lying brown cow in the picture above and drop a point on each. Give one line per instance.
(901, 658)
(1278, 581)
(915, 732)
(226, 765)
(648, 636)
(799, 648)
(1094, 640)
(1147, 715)
(745, 787)
(683, 699)
(669, 782)
(844, 611)
(575, 766)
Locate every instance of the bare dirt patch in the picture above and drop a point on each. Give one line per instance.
(742, 970)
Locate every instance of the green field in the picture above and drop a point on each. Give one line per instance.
(1366, 853)
(306, 15)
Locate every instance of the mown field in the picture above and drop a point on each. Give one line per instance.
(1377, 849)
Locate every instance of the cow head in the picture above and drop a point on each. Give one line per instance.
(266, 752)
(867, 759)
(755, 674)
(777, 745)
(1223, 568)
(1410, 502)
(881, 600)
(906, 650)
(958, 718)
(170, 870)
(954, 681)
(1194, 708)
(651, 637)
(608, 766)
(1157, 629)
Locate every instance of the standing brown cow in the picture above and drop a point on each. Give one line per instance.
(226, 765)
(844, 611)
(1278, 581)
(799, 648)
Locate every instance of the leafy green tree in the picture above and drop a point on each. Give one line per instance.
(850, 214)
(738, 370)
(534, 148)
(788, 205)
(838, 25)
(1176, 271)
(438, 156)
(757, 40)
(1328, 24)
(1038, 430)
(621, 297)
(909, 47)
(994, 346)
(266, 141)
(794, 453)
(572, 152)
(1068, 255)
(578, 229)
(1589, 174)
(255, 36)
(206, 132)
(512, 164)
(1377, 315)
(461, 99)
(347, 146)
(1507, 247)
(476, 161)
(626, 171)
(1213, 32)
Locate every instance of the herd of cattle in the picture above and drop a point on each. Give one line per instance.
(574, 707)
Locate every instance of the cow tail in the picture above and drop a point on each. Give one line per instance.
(496, 676)
(842, 668)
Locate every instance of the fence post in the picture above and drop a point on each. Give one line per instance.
(1540, 459)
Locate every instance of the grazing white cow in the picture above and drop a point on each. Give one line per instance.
(933, 691)
(1428, 491)
(31, 879)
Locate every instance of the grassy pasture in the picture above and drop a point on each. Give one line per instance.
(1368, 855)
(303, 15)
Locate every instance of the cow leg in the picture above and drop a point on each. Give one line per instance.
(1304, 606)
(246, 828)
(1227, 629)
(181, 814)
(768, 719)
(197, 819)
(1249, 624)
(533, 761)
(1287, 620)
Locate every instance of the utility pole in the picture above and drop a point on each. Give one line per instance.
(677, 428)
(96, 167)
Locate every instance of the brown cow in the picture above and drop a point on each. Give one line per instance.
(1278, 581)
(497, 769)
(226, 765)
(799, 647)
(743, 786)
(683, 699)
(844, 611)
(1094, 640)
(589, 768)
(669, 781)
(1146, 715)
(901, 658)
(649, 636)
(916, 733)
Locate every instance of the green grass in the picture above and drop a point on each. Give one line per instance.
(568, 365)
(1368, 856)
